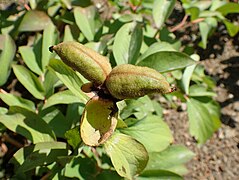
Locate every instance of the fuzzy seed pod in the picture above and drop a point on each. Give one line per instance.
(86, 61)
(129, 81)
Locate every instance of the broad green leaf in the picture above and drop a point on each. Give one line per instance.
(63, 97)
(194, 13)
(201, 122)
(161, 11)
(49, 83)
(187, 74)
(171, 159)
(48, 40)
(156, 47)
(39, 154)
(29, 81)
(74, 112)
(127, 43)
(67, 34)
(98, 121)
(56, 121)
(152, 132)
(3, 110)
(228, 8)
(7, 53)
(204, 31)
(13, 100)
(164, 61)
(87, 21)
(159, 174)
(128, 156)
(34, 20)
(73, 137)
(29, 58)
(199, 90)
(32, 127)
(82, 168)
(232, 29)
(68, 77)
(216, 4)
(140, 108)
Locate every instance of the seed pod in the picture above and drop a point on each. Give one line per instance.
(86, 61)
(129, 81)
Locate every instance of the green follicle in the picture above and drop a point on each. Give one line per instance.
(86, 61)
(129, 81)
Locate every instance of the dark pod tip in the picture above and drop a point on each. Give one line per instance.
(51, 49)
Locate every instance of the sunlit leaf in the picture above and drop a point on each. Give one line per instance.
(164, 61)
(63, 97)
(13, 100)
(161, 11)
(48, 40)
(32, 127)
(228, 8)
(128, 156)
(34, 20)
(203, 121)
(152, 132)
(87, 21)
(127, 43)
(68, 77)
(7, 53)
(29, 58)
(171, 159)
(29, 81)
(159, 174)
(73, 137)
(98, 121)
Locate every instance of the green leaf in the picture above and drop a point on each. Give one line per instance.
(87, 21)
(152, 132)
(204, 31)
(194, 13)
(63, 97)
(98, 121)
(161, 11)
(29, 81)
(164, 61)
(67, 34)
(229, 8)
(69, 77)
(56, 121)
(201, 122)
(50, 82)
(7, 53)
(73, 137)
(128, 156)
(199, 90)
(48, 40)
(156, 47)
(39, 154)
(34, 21)
(232, 29)
(140, 108)
(187, 74)
(31, 126)
(127, 43)
(13, 100)
(3, 110)
(171, 159)
(29, 58)
(159, 174)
